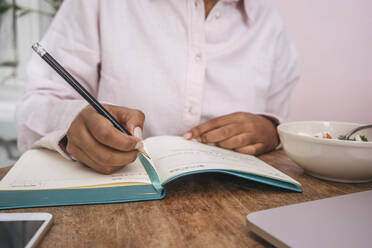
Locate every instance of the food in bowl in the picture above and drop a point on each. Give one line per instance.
(330, 159)
(326, 135)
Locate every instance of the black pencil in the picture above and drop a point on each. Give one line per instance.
(80, 89)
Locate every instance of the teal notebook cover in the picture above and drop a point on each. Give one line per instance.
(63, 197)
(60, 197)
(256, 178)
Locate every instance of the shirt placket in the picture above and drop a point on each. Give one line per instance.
(196, 65)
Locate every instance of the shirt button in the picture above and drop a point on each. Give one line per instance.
(191, 110)
(198, 57)
(196, 3)
(217, 15)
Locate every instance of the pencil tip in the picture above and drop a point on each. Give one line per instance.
(142, 150)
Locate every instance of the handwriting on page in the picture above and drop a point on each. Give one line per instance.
(68, 182)
(178, 161)
(194, 152)
(173, 156)
(188, 168)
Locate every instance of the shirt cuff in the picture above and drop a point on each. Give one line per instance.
(52, 141)
(57, 140)
(276, 120)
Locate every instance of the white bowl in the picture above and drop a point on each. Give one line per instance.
(330, 159)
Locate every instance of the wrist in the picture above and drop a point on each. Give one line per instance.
(63, 145)
(272, 128)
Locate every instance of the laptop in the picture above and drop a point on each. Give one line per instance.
(342, 221)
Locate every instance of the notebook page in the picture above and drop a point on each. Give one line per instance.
(174, 156)
(44, 169)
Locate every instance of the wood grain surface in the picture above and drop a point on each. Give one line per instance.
(207, 210)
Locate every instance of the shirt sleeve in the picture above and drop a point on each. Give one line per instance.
(50, 104)
(285, 74)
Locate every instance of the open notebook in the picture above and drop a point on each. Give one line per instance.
(44, 178)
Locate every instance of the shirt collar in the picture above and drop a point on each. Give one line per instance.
(251, 8)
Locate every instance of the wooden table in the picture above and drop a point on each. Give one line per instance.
(199, 211)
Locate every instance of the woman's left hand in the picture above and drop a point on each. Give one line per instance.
(242, 132)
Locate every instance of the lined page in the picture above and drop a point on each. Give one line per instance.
(173, 156)
(44, 169)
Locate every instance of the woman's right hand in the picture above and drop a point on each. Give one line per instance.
(94, 141)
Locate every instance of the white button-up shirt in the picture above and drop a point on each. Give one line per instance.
(164, 58)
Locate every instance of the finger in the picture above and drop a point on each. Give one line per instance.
(222, 133)
(101, 153)
(81, 156)
(104, 132)
(237, 141)
(215, 123)
(255, 149)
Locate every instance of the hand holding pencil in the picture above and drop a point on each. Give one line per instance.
(94, 141)
(99, 135)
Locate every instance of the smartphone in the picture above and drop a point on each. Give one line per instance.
(23, 229)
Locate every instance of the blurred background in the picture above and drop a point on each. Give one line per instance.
(334, 38)
(22, 22)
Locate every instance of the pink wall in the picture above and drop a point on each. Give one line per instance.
(334, 38)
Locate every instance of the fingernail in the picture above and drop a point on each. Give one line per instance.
(211, 144)
(138, 132)
(187, 135)
(139, 145)
(198, 139)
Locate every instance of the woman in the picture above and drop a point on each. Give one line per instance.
(220, 72)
